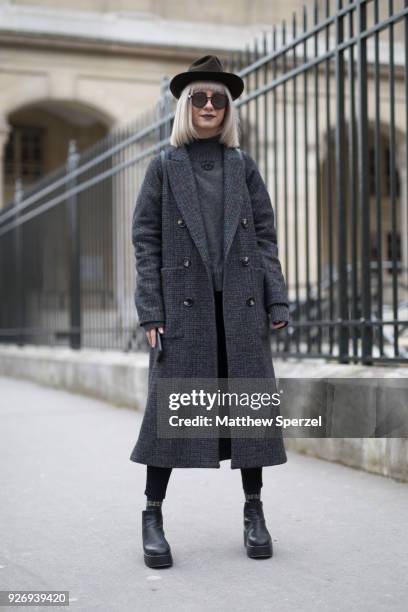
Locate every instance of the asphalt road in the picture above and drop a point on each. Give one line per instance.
(70, 519)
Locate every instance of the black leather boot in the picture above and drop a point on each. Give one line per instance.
(156, 549)
(257, 539)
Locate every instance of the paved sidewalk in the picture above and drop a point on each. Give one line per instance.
(70, 519)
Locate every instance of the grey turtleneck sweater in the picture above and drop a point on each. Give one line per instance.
(206, 157)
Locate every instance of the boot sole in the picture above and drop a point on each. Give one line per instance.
(254, 552)
(158, 560)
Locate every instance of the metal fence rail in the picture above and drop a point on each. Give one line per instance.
(325, 115)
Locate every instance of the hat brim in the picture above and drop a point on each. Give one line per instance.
(234, 83)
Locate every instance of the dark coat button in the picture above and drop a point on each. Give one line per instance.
(181, 223)
(188, 302)
(244, 222)
(245, 261)
(251, 301)
(186, 262)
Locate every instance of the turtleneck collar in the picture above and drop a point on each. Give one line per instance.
(209, 139)
(205, 148)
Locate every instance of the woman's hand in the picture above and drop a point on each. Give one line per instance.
(278, 324)
(151, 335)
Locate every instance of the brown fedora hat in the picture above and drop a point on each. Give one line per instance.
(207, 68)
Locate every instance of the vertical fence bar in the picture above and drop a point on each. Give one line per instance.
(285, 156)
(265, 114)
(393, 186)
(247, 107)
(352, 188)
(275, 134)
(73, 253)
(306, 198)
(366, 328)
(342, 285)
(255, 56)
(295, 253)
(378, 184)
(18, 266)
(329, 298)
(318, 183)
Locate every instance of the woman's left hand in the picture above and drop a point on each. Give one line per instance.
(278, 324)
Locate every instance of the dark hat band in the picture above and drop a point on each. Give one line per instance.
(207, 68)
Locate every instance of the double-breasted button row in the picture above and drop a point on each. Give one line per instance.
(186, 263)
(186, 260)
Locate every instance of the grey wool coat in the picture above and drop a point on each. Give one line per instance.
(174, 285)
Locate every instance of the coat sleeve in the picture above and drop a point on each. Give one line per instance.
(279, 312)
(147, 243)
(264, 219)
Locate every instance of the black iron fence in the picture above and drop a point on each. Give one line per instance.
(325, 115)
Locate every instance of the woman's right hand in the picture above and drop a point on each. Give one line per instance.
(151, 335)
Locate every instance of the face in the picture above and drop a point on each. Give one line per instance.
(207, 120)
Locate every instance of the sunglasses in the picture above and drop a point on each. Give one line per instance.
(199, 100)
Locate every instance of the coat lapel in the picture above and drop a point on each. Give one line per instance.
(183, 186)
(234, 184)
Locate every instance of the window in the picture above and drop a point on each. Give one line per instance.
(24, 154)
(385, 173)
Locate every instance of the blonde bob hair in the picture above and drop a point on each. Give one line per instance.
(184, 131)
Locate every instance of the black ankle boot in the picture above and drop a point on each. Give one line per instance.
(156, 549)
(257, 539)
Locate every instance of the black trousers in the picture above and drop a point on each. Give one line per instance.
(157, 478)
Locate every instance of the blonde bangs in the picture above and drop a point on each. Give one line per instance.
(204, 85)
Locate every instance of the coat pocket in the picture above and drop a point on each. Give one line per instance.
(258, 285)
(173, 287)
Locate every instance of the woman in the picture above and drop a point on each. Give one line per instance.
(208, 274)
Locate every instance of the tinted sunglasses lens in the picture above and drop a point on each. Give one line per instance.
(219, 100)
(199, 99)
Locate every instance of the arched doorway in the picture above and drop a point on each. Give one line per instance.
(39, 135)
